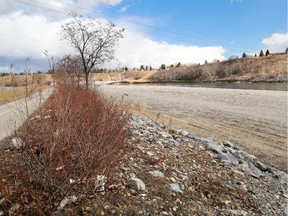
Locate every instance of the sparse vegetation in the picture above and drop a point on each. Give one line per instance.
(269, 68)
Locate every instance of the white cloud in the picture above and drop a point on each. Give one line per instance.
(276, 42)
(54, 9)
(233, 1)
(123, 9)
(22, 35)
(108, 2)
(6, 6)
(137, 49)
(4, 69)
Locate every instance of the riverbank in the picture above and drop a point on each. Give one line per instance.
(254, 120)
(174, 172)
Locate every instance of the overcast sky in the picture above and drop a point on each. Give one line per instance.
(157, 31)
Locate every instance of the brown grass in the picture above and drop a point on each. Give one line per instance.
(10, 95)
(24, 79)
(267, 68)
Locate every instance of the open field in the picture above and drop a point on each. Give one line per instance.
(13, 94)
(254, 120)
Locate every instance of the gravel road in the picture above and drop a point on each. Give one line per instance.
(256, 120)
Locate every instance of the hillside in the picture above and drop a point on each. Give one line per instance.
(272, 68)
(17, 80)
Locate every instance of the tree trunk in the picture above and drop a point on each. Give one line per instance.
(87, 80)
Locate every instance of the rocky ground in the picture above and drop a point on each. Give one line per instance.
(174, 172)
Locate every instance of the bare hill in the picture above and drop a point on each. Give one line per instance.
(272, 68)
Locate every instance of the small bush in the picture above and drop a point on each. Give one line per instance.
(76, 137)
(48, 82)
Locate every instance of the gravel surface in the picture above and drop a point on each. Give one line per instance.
(253, 119)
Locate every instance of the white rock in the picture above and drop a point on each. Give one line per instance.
(172, 179)
(149, 153)
(175, 188)
(59, 168)
(227, 143)
(72, 181)
(139, 184)
(100, 183)
(165, 135)
(183, 132)
(17, 143)
(156, 173)
(66, 201)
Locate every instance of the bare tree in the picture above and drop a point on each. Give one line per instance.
(70, 67)
(94, 40)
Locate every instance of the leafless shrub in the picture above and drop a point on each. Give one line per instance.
(74, 139)
(69, 70)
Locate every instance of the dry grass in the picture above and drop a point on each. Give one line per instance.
(21, 86)
(268, 68)
(21, 80)
(10, 95)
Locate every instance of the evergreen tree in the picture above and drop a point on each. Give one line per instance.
(255, 55)
(178, 65)
(141, 67)
(244, 55)
(287, 50)
(163, 67)
(267, 52)
(261, 53)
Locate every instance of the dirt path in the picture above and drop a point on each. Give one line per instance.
(254, 120)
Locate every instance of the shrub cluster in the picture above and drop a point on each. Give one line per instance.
(69, 147)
